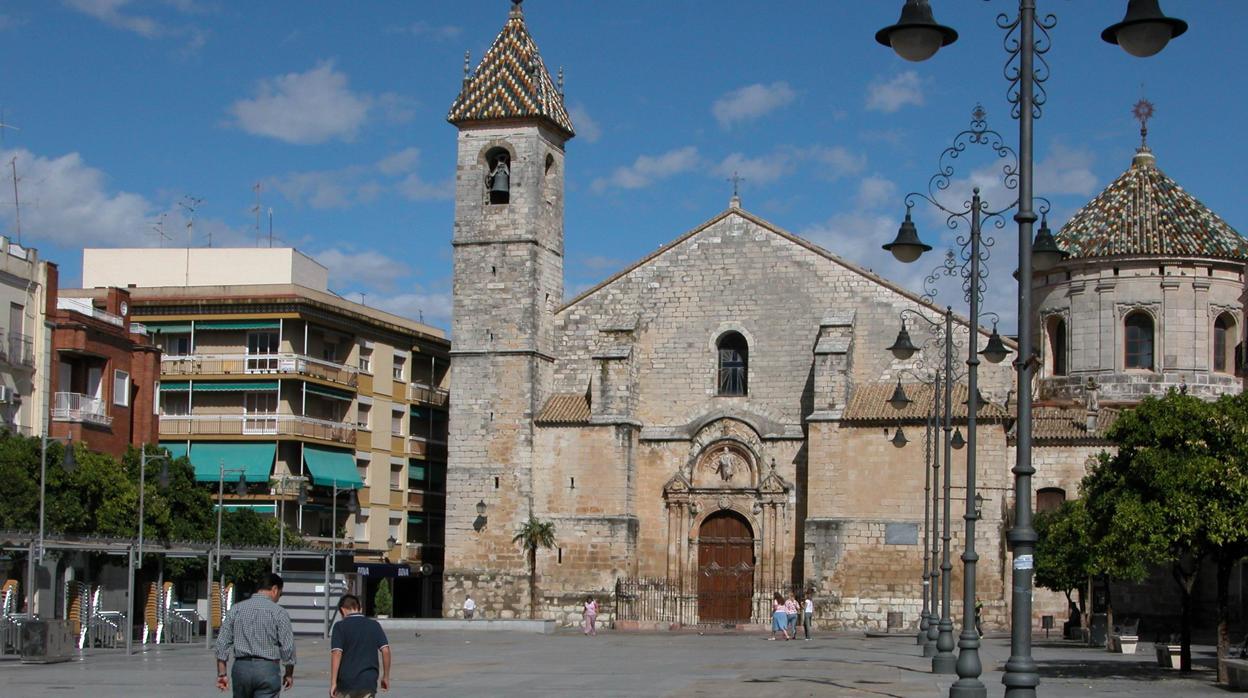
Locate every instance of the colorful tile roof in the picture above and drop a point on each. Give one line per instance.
(1144, 212)
(870, 404)
(565, 408)
(511, 82)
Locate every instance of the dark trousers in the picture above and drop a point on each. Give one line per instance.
(256, 678)
(806, 623)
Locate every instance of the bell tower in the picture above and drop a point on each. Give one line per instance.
(508, 279)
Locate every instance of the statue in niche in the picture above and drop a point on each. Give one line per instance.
(727, 464)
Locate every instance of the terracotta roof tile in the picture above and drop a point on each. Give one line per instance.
(870, 404)
(565, 408)
(1069, 423)
(1144, 212)
(511, 82)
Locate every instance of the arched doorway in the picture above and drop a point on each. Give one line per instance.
(725, 569)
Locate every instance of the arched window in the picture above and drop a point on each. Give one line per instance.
(734, 358)
(1139, 340)
(1049, 499)
(1224, 336)
(1057, 346)
(498, 175)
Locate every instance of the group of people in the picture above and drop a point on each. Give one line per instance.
(786, 612)
(257, 635)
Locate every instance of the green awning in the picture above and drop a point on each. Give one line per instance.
(413, 519)
(329, 392)
(169, 327)
(176, 449)
(175, 386)
(414, 471)
(210, 325)
(254, 461)
(233, 386)
(258, 508)
(330, 467)
(417, 413)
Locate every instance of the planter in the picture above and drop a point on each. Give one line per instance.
(1167, 655)
(382, 616)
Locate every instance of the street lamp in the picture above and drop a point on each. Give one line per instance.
(353, 506)
(163, 481)
(69, 463)
(968, 267)
(240, 489)
(281, 513)
(1143, 31)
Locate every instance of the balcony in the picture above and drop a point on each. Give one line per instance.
(19, 350)
(424, 553)
(425, 395)
(76, 407)
(420, 447)
(83, 306)
(262, 364)
(256, 425)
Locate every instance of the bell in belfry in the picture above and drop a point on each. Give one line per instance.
(500, 182)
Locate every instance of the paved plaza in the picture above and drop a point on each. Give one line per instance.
(627, 664)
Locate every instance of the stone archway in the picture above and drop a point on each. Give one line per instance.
(725, 571)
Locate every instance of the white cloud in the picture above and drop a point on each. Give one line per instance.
(585, 125)
(360, 184)
(434, 31)
(759, 170)
(430, 307)
(363, 268)
(304, 108)
(112, 13)
(1066, 170)
(890, 95)
(839, 161)
(648, 168)
(875, 191)
(751, 102)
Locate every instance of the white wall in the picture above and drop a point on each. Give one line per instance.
(206, 266)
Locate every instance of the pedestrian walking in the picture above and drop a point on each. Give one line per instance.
(790, 616)
(257, 634)
(470, 608)
(779, 618)
(353, 648)
(808, 613)
(591, 616)
(979, 619)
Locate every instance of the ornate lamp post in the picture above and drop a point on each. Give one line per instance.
(1144, 31)
(968, 267)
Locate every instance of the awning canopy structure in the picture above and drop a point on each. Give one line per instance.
(232, 386)
(175, 386)
(169, 327)
(330, 467)
(253, 461)
(270, 509)
(331, 393)
(226, 325)
(176, 449)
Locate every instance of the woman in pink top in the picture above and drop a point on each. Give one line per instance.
(591, 616)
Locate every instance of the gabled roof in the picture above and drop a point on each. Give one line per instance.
(870, 404)
(1144, 212)
(802, 242)
(511, 82)
(565, 408)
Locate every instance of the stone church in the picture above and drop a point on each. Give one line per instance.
(713, 421)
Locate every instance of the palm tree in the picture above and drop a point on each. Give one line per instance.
(531, 535)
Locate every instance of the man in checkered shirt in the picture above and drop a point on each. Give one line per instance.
(257, 634)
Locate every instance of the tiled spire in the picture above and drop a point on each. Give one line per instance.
(1144, 212)
(511, 82)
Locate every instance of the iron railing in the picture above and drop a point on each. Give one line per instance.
(21, 349)
(256, 424)
(76, 407)
(426, 395)
(83, 306)
(259, 364)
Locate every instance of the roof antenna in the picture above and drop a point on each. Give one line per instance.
(189, 204)
(256, 210)
(17, 206)
(270, 226)
(159, 229)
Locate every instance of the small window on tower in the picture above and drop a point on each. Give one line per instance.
(498, 175)
(733, 364)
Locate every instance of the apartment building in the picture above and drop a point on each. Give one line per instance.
(299, 403)
(24, 340)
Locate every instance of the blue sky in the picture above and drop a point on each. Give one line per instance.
(124, 108)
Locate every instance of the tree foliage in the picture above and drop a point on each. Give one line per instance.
(383, 600)
(1063, 548)
(1175, 492)
(531, 535)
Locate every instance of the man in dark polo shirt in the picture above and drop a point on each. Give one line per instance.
(354, 644)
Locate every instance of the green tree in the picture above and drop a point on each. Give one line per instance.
(1175, 493)
(1064, 553)
(531, 535)
(383, 600)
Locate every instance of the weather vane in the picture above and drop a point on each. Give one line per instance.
(1143, 111)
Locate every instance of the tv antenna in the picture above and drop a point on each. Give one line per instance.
(270, 226)
(256, 210)
(159, 228)
(3, 125)
(189, 204)
(17, 206)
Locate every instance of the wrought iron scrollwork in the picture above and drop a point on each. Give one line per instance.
(1013, 44)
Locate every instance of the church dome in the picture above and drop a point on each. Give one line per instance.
(1144, 212)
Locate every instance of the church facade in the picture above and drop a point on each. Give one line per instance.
(714, 420)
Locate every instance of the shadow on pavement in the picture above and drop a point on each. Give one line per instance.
(1114, 669)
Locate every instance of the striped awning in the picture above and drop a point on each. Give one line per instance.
(222, 325)
(233, 386)
(175, 386)
(331, 393)
(252, 461)
(169, 327)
